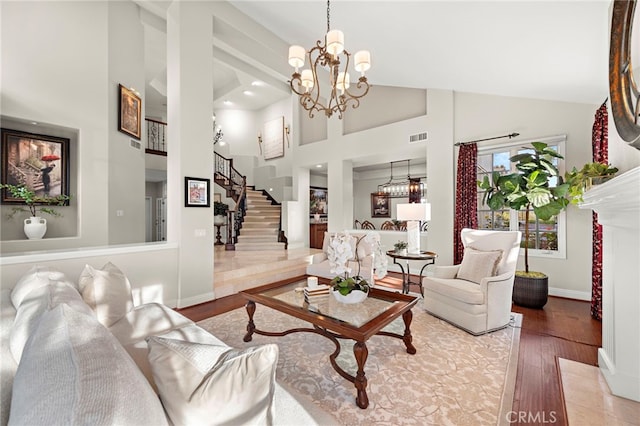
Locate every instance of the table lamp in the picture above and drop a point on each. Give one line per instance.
(413, 213)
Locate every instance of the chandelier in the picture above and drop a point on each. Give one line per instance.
(329, 56)
(410, 187)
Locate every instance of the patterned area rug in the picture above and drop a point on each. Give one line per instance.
(453, 379)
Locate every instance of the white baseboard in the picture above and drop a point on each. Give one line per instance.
(570, 294)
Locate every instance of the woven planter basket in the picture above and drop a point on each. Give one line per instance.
(530, 292)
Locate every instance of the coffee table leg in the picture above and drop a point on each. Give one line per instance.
(361, 353)
(251, 309)
(407, 338)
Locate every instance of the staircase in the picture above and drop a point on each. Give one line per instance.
(261, 225)
(254, 223)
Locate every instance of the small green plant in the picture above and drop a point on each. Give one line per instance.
(34, 203)
(345, 285)
(580, 180)
(220, 208)
(400, 245)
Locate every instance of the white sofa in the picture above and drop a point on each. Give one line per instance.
(69, 358)
(320, 266)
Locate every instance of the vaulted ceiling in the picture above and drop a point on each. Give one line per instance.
(556, 50)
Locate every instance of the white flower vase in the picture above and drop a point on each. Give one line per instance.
(219, 220)
(35, 227)
(356, 296)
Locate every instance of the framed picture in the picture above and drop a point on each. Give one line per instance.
(318, 201)
(196, 192)
(39, 162)
(380, 205)
(129, 117)
(217, 198)
(273, 138)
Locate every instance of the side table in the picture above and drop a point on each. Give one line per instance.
(428, 257)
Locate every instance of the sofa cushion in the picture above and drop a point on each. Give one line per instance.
(34, 278)
(107, 291)
(477, 264)
(73, 371)
(148, 320)
(462, 290)
(213, 384)
(34, 304)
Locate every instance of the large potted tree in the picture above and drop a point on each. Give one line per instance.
(529, 188)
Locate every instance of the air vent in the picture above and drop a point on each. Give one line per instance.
(418, 137)
(135, 144)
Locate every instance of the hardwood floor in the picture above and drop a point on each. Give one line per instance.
(564, 328)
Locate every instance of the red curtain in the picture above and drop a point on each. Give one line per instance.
(466, 212)
(600, 150)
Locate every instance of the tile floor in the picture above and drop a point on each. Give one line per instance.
(589, 401)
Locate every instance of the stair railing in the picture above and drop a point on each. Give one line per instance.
(235, 184)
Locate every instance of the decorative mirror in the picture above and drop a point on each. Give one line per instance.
(624, 95)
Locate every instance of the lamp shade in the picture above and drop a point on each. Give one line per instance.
(296, 56)
(414, 211)
(335, 42)
(362, 61)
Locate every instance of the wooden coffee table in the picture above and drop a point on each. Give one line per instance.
(336, 320)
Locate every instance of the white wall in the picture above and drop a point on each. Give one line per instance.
(126, 163)
(156, 284)
(55, 70)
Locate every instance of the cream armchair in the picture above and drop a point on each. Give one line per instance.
(320, 267)
(476, 295)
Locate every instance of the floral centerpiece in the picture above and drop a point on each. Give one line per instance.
(340, 250)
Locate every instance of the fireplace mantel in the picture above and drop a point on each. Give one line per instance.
(617, 203)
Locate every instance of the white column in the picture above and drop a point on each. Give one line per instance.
(340, 194)
(190, 146)
(617, 203)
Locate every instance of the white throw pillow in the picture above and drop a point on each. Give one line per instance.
(107, 291)
(36, 303)
(201, 384)
(34, 278)
(74, 372)
(477, 264)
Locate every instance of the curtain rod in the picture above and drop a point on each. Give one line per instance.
(510, 135)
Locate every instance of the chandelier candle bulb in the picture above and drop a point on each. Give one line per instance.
(307, 79)
(343, 82)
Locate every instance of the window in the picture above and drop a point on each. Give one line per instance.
(546, 238)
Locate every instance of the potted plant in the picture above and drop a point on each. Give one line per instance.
(401, 247)
(344, 287)
(590, 174)
(35, 226)
(528, 188)
(220, 210)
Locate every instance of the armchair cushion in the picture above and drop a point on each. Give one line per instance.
(456, 289)
(477, 264)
